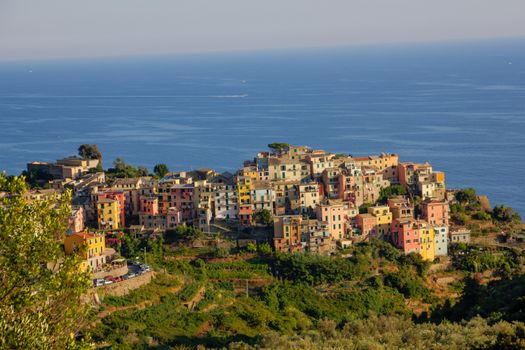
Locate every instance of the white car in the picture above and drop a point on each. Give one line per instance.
(97, 282)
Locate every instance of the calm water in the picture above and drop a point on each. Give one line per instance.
(459, 106)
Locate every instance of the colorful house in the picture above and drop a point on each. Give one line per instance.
(244, 190)
(335, 215)
(108, 214)
(427, 241)
(405, 235)
(383, 220)
(90, 247)
(121, 199)
(287, 233)
(435, 212)
(441, 239)
(400, 207)
(181, 197)
(414, 236)
(245, 215)
(366, 225)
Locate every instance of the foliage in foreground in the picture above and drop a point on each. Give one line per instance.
(399, 333)
(39, 308)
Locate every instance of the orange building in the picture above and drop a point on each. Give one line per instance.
(366, 223)
(287, 233)
(435, 212)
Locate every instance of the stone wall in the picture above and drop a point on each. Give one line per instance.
(124, 287)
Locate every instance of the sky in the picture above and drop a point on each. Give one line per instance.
(33, 29)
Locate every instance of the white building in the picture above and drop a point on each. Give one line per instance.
(226, 201)
(441, 239)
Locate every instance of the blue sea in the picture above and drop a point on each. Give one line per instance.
(460, 106)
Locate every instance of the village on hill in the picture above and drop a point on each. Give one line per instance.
(293, 197)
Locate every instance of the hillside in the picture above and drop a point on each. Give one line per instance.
(375, 298)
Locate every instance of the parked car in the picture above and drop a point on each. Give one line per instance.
(131, 274)
(97, 282)
(108, 281)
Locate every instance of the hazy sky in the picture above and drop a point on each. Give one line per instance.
(80, 28)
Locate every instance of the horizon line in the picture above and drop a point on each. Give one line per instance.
(375, 45)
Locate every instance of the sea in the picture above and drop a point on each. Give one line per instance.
(458, 105)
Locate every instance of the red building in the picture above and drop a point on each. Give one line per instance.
(149, 205)
(245, 215)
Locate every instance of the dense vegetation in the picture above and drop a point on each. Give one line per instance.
(470, 206)
(310, 301)
(370, 296)
(123, 170)
(40, 308)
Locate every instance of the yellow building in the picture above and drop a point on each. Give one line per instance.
(244, 189)
(90, 247)
(108, 214)
(427, 243)
(380, 162)
(383, 217)
(251, 172)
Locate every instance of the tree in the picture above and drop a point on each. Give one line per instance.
(263, 217)
(466, 196)
(122, 170)
(40, 286)
(160, 170)
(481, 215)
(184, 232)
(142, 171)
(278, 147)
(363, 208)
(264, 248)
(505, 214)
(391, 191)
(129, 247)
(89, 151)
(119, 164)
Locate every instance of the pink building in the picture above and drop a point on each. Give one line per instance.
(366, 223)
(77, 220)
(435, 212)
(118, 196)
(181, 197)
(405, 235)
(335, 215)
